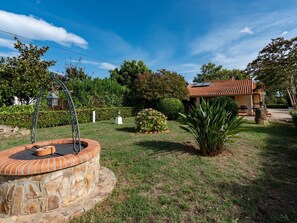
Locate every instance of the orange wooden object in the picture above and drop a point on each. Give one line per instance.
(46, 150)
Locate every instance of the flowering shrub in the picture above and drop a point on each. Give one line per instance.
(150, 120)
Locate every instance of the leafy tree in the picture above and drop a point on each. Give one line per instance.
(23, 75)
(128, 72)
(97, 92)
(75, 72)
(211, 71)
(276, 67)
(151, 87)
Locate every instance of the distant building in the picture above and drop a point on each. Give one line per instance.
(244, 92)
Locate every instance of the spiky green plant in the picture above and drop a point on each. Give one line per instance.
(211, 125)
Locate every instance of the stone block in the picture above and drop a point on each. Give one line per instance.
(53, 202)
(32, 191)
(56, 174)
(64, 187)
(33, 207)
(53, 186)
(17, 202)
(4, 207)
(80, 168)
(11, 193)
(3, 191)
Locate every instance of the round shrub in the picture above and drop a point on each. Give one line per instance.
(150, 120)
(171, 107)
(230, 104)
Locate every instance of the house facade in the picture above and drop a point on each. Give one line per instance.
(244, 92)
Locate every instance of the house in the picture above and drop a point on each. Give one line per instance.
(244, 92)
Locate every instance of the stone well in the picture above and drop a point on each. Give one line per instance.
(32, 186)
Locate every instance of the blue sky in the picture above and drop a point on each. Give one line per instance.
(179, 35)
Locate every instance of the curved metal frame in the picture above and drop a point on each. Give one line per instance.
(73, 115)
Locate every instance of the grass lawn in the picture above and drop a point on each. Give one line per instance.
(162, 179)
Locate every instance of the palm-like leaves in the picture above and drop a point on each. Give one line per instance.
(211, 125)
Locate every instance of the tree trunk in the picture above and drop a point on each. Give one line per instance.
(293, 98)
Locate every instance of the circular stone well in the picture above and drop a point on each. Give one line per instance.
(32, 185)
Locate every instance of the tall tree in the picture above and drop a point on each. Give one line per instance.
(75, 72)
(276, 67)
(151, 87)
(24, 74)
(128, 72)
(211, 71)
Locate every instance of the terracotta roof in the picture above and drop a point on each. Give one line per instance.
(223, 87)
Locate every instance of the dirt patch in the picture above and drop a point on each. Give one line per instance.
(7, 131)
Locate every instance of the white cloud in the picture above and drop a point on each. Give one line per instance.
(38, 29)
(101, 65)
(7, 43)
(284, 33)
(247, 30)
(107, 66)
(228, 47)
(8, 54)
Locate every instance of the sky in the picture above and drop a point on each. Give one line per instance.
(178, 35)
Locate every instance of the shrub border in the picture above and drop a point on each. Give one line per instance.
(57, 118)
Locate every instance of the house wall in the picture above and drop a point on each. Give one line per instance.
(242, 100)
(245, 100)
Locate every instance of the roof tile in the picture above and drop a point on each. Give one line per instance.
(223, 87)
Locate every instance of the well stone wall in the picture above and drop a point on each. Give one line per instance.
(31, 194)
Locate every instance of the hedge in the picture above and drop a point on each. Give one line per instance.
(294, 116)
(56, 118)
(277, 106)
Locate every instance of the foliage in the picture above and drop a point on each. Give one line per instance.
(211, 125)
(74, 72)
(293, 113)
(276, 67)
(150, 120)
(128, 72)
(171, 107)
(151, 87)
(16, 108)
(211, 71)
(230, 104)
(23, 75)
(97, 92)
(57, 118)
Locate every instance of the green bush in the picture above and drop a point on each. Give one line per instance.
(230, 104)
(211, 125)
(150, 120)
(16, 108)
(171, 107)
(294, 116)
(56, 118)
(277, 106)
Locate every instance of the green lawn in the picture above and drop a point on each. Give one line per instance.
(162, 179)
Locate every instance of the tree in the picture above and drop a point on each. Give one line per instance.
(128, 72)
(75, 72)
(211, 71)
(151, 87)
(23, 75)
(276, 67)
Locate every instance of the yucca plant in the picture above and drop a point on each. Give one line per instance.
(211, 125)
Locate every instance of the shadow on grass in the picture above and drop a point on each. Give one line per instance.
(127, 129)
(168, 147)
(272, 197)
